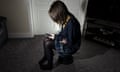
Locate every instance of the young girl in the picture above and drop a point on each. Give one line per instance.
(66, 42)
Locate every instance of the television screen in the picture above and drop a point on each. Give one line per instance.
(104, 9)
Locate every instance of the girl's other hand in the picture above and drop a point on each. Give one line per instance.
(64, 41)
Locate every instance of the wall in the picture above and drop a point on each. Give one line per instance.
(41, 20)
(17, 15)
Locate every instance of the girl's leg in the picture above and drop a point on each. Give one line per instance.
(48, 54)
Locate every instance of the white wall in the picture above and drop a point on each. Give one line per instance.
(16, 12)
(41, 20)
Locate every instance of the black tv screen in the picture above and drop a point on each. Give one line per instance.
(104, 9)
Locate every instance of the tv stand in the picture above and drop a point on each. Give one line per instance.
(104, 32)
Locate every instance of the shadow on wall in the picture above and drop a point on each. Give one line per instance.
(84, 5)
(83, 8)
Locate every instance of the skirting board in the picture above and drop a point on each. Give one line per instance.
(20, 35)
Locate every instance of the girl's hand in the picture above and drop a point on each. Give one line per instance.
(64, 41)
(51, 36)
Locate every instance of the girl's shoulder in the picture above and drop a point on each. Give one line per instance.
(73, 20)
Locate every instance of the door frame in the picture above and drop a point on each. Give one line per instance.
(30, 17)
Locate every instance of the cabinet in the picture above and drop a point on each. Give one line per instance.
(104, 32)
(103, 22)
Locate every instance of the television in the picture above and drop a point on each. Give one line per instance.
(108, 10)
